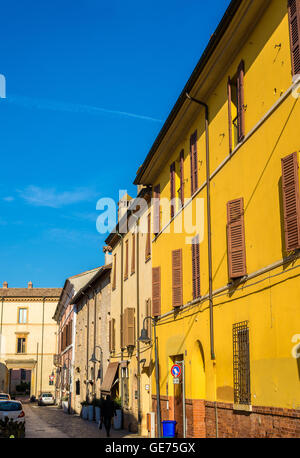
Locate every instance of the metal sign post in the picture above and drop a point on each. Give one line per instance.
(183, 396)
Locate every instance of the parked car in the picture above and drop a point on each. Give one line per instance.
(13, 410)
(4, 396)
(46, 399)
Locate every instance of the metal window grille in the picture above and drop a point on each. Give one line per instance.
(241, 364)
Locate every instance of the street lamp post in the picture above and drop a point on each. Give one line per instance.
(94, 360)
(146, 339)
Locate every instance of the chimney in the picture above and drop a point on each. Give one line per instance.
(5, 284)
(30, 285)
(123, 205)
(107, 251)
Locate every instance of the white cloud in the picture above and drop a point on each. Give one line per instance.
(8, 199)
(50, 197)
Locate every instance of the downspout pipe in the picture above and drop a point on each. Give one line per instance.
(212, 344)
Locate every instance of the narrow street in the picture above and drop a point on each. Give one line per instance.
(51, 422)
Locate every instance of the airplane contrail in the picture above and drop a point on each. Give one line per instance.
(43, 104)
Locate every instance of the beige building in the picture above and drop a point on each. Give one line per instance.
(91, 314)
(131, 363)
(28, 336)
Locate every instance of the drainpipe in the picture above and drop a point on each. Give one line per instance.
(212, 345)
(95, 340)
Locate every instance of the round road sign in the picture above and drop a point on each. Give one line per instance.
(176, 370)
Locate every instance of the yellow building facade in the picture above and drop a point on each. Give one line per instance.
(227, 303)
(28, 338)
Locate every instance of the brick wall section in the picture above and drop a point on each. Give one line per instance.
(263, 422)
(195, 414)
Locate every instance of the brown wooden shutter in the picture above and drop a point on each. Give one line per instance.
(110, 336)
(129, 327)
(194, 163)
(196, 267)
(115, 272)
(240, 109)
(236, 239)
(126, 260)
(182, 177)
(148, 239)
(122, 330)
(156, 291)
(156, 210)
(229, 114)
(172, 188)
(177, 277)
(113, 334)
(291, 201)
(133, 254)
(294, 25)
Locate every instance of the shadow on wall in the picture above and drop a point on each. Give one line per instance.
(3, 377)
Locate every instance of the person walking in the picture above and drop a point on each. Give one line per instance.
(101, 411)
(109, 411)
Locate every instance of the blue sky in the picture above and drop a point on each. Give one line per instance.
(89, 85)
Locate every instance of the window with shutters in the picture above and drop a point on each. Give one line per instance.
(21, 343)
(156, 210)
(177, 278)
(114, 272)
(133, 255)
(156, 291)
(172, 189)
(126, 261)
(294, 27)
(181, 189)
(236, 239)
(241, 364)
(148, 238)
(112, 335)
(236, 107)
(129, 327)
(196, 267)
(291, 201)
(22, 315)
(194, 163)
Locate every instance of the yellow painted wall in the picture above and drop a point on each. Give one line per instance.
(254, 173)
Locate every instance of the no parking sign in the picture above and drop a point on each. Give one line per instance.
(176, 371)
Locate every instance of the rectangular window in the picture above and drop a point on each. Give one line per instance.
(291, 201)
(177, 278)
(133, 255)
(156, 210)
(194, 163)
(129, 327)
(156, 292)
(196, 267)
(126, 260)
(148, 239)
(236, 239)
(21, 345)
(236, 107)
(114, 272)
(241, 364)
(294, 26)
(172, 189)
(112, 342)
(22, 315)
(181, 190)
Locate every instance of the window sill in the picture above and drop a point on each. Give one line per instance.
(242, 407)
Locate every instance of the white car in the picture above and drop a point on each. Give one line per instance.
(13, 410)
(4, 396)
(46, 399)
